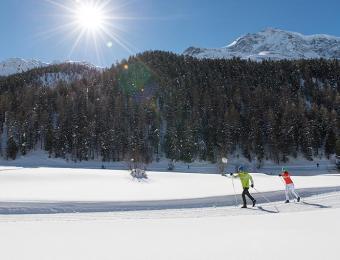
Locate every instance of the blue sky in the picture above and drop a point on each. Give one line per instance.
(29, 28)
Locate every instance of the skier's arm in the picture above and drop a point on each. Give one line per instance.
(251, 181)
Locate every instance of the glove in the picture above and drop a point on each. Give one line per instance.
(231, 174)
(279, 175)
(252, 185)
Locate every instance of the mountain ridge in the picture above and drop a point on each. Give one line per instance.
(273, 44)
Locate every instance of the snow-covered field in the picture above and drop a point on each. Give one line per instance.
(303, 231)
(306, 230)
(62, 184)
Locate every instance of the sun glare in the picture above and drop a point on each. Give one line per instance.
(89, 17)
(92, 24)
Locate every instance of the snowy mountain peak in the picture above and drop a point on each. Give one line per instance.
(18, 65)
(274, 44)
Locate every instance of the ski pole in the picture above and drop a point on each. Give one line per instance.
(265, 198)
(225, 162)
(262, 195)
(232, 181)
(282, 180)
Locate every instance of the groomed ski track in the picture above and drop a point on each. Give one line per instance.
(55, 207)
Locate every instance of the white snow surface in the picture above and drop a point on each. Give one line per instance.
(64, 184)
(305, 230)
(298, 232)
(274, 44)
(19, 65)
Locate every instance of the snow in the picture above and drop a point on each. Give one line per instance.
(63, 184)
(274, 44)
(299, 165)
(51, 79)
(19, 65)
(214, 233)
(306, 230)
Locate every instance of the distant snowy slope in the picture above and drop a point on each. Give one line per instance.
(274, 44)
(17, 65)
(82, 63)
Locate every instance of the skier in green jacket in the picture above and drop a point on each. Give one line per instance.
(245, 177)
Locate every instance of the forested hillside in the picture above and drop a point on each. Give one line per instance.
(159, 104)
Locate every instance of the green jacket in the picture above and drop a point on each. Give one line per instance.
(245, 178)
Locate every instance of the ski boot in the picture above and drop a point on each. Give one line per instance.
(287, 201)
(254, 202)
(244, 207)
(298, 199)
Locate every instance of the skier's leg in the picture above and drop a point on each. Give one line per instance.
(294, 192)
(244, 197)
(287, 192)
(251, 197)
(248, 194)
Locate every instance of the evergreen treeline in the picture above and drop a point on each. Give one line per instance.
(161, 104)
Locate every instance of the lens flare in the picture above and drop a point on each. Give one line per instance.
(109, 44)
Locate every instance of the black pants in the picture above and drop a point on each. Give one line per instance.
(244, 193)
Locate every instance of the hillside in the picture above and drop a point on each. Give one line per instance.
(159, 104)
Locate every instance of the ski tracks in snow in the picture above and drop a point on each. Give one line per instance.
(317, 202)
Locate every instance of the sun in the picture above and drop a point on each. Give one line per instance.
(93, 25)
(89, 16)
